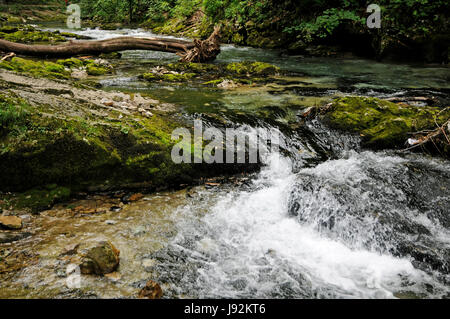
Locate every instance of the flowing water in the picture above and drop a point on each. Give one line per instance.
(322, 219)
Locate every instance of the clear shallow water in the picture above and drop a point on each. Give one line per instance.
(359, 225)
(365, 73)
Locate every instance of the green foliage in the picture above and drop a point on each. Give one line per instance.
(108, 10)
(325, 24)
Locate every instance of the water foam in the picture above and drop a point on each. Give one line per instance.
(246, 245)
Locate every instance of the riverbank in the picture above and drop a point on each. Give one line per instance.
(321, 30)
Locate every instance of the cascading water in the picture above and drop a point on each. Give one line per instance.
(344, 228)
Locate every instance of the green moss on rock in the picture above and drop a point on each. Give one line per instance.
(213, 74)
(24, 36)
(96, 70)
(101, 259)
(78, 152)
(13, 114)
(36, 68)
(41, 198)
(72, 62)
(382, 124)
(168, 77)
(61, 69)
(192, 67)
(252, 68)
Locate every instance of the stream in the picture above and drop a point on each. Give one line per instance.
(322, 219)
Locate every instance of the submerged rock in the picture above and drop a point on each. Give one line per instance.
(7, 237)
(102, 258)
(152, 290)
(131, 198)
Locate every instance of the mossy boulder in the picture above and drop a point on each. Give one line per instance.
(37, 150)
(60, 69)
(36, 68)
(103, 258)
(168, 77)
(382, 124)
(28, 34)
(72, 62)
(96, 70)
(75, 148)
(252, 68)
(111, 55)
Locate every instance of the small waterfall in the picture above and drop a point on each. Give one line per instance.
(335, 230)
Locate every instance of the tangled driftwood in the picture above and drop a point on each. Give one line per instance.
(196, 51)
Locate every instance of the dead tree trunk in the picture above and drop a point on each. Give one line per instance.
(197, 51)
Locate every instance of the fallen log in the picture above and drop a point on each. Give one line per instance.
(203, 51)
(197, 51)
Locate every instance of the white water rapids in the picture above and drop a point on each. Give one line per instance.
(246, 245)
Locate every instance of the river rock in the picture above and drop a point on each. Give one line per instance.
(79, 74)
(7, 237)
(10, 222)
(131, 198)
(70, 249)
(115, 209)
(114, 276)
(152, 290)
(227, 84)
(102, 258)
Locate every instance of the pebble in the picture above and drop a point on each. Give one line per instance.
(115, 209)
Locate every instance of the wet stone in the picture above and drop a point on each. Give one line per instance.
(7, 237)
(152, 290)
(10, 222)
(102, 258)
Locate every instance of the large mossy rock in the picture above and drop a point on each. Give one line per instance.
(56, 138)
(382, 124)
(39, 147)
